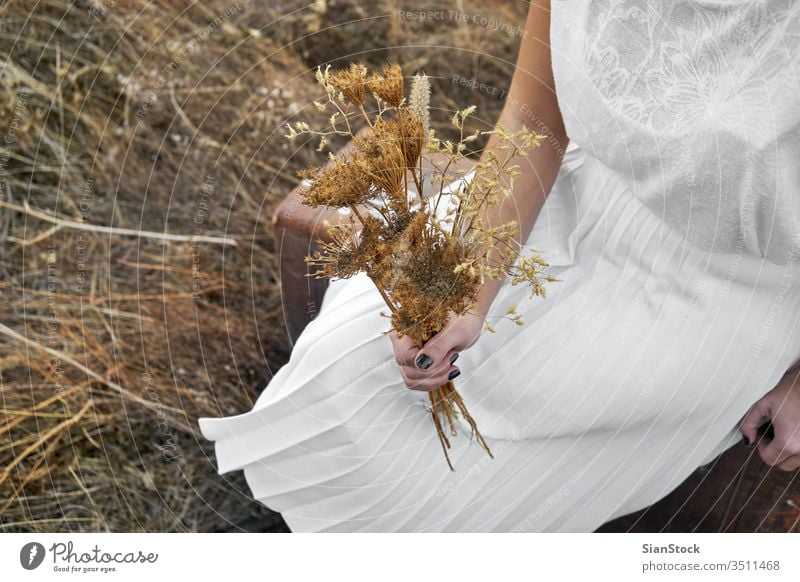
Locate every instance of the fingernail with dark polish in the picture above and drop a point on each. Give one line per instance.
(745, 441)
(766, 431)
(454, 374)
(423, 361)
(454, 358)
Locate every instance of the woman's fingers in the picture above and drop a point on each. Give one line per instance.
(459, 333)
(430, 383)
(790, 464)
(434, 376)
(405, 351)
(434, 371)
(781, 406)
(432, 354)
(774, 452)
(783, 448)
(432, 366)
(755, 418)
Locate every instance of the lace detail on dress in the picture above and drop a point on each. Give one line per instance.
(698, 104)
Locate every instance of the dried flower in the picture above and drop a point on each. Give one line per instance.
(411, 134)
(382, 151)
(389, 86)
(352, 82)
(344, 182)
(348, 252)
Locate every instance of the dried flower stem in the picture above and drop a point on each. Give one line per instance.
(447, 402)
(436, 398)
(364, 113)
(456, 398)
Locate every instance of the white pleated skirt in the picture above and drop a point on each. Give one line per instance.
(635, 370)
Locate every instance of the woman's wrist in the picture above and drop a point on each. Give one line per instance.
(485, 297)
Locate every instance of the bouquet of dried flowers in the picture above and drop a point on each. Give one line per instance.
(428, 257)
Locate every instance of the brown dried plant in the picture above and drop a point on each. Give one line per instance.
(427, 257)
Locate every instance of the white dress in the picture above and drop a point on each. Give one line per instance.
(674, 229)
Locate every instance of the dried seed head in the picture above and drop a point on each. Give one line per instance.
(344, 182)
(352, 82)
(347, 253)
(387, 170)
(412, 137)
(389, 86)
(382, 150)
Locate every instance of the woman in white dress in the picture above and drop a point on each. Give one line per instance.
(667, 201)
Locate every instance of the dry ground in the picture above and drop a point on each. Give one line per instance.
(165, 117)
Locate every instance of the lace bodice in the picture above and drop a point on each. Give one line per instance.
(698, 104)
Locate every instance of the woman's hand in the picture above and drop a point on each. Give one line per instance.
(781, 405)
(432, 366)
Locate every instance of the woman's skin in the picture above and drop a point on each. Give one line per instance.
(782, 406)
(531, 102)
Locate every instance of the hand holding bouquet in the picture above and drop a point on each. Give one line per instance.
(428, 251)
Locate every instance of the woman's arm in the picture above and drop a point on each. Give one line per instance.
(531, 102)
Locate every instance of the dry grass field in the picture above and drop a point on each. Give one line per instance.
(142, 159)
